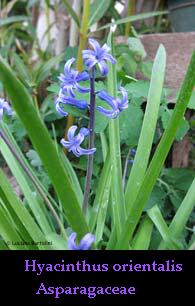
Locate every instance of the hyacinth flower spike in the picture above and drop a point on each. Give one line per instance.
(4, 106)
(73, 143)
(85, 243)
(98, 56)
(71, 78)
(116, 104)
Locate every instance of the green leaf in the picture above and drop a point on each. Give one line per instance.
(97, 10)
(127, 63)
(26, 189)
(8, 231)
(138, 89)
(159, 158)
(130, 124)
(143, 235)
(34, 158)
(13, 19)
(117, 198)
(148, 129)
(73, 177)
(136, 46)
(3, 245)
(71, 12)
(155, 215)
(44, 69)
(182, 214)
(184, 127)
(157, 195)
(99, 209)
(22, 70)
(133, 18)
(45, 147)
(57, 241)
(180, 178)
(101, 121)
(18, 210)
(146, 68)
(191, 103)
(54, 88)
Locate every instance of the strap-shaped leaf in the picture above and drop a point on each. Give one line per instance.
(44, 146)
(159, 156)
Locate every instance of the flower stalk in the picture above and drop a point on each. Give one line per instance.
(91, 141)
(82, 43)
(130, 10)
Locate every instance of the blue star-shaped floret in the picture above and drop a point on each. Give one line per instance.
(73, 143)
(85, 243)
(116, 104)
(71, 78)
(98, 56)
(4, 106)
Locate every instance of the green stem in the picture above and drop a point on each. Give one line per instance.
(83, 34)
(131, 7)
(36, 103)
(47, 20)
(125, 168)
(91, 141)
(82, 44)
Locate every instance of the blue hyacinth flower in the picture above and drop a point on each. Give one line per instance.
(4, 106)
(71, 78)
(98, 56)
(73, 143)
(65, 99)
(85, 243)
(116, 104)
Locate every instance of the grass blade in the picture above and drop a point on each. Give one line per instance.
(13, 19)
(132, 18)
